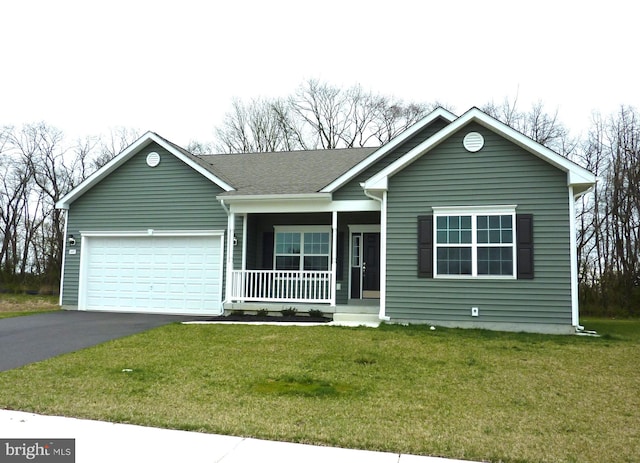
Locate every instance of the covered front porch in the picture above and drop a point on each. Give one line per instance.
(325, 261)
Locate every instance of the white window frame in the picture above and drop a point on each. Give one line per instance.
(474, 212)
(302, 230)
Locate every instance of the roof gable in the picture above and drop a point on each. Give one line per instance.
(146, 139)
(438, 113)
(577, 176)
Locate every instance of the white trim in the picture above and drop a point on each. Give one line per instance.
(82, 271)
(573, 253)
(289, 205)
(237, 198)
(64, 255)
(382, 315)
(149, 232)
(231, 219)
(127, 154)
(575, 174)
(334, 257)
(383, 150)
(474, 212)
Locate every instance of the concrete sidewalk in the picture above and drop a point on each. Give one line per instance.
(98, 442)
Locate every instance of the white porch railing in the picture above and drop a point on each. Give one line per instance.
(281, 286)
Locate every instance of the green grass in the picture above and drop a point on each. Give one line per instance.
(16, 305)
(468, 394)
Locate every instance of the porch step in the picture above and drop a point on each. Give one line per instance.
(356, 319)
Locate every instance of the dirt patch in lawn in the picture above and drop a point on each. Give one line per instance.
(27, 303)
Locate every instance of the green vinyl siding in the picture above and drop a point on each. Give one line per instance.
(352, 190)
(135, 197)
(499, 174)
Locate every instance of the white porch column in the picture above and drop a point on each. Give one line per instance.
(334, 255)
(231, 228)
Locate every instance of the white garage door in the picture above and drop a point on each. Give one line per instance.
(154, 274)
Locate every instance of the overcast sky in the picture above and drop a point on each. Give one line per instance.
(174, 66)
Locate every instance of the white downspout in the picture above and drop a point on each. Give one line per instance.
(575, 310)
(382, 315)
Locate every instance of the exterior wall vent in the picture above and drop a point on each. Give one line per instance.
(473, 142)
(153, 159)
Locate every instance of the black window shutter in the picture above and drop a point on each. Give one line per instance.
(425, 246)
(524, 243)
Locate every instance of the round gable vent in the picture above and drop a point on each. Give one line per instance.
(153, 159)
(473, 142)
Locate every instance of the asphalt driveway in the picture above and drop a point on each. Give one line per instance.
(38, 337)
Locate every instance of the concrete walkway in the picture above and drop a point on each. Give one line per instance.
(100, 442)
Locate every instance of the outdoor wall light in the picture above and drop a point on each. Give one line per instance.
(235, 240)
(72, 240)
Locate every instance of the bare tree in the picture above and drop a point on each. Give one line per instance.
(259, 126)
(198, 147)
(317, 115)
(609, 242)
(40, 147)
(118, 139)
(537, 123)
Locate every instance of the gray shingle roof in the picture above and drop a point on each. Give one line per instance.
(287, 172)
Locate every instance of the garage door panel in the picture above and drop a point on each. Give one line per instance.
(167, 274)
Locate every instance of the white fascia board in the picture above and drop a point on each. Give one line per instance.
(127, 154)
(576, 174)
(148, 232)
(229, 199)
(383, 150)
(277, 203)
(292, 204)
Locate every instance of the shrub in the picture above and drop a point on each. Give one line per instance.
(289, 312)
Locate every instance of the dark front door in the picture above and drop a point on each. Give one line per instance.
(365, 265)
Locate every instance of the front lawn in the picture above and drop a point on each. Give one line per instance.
(467, 394)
